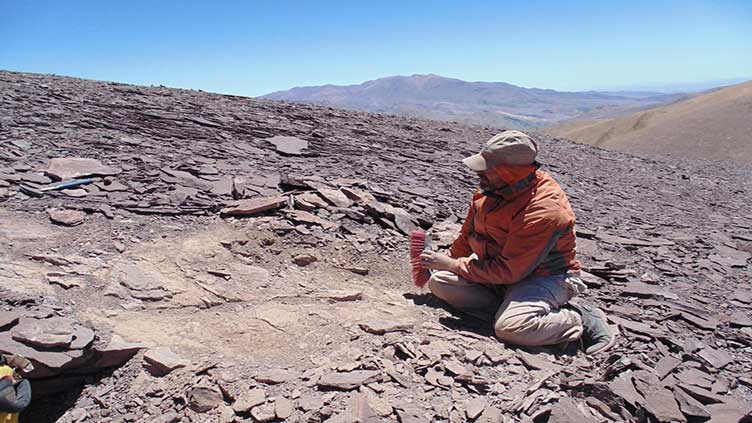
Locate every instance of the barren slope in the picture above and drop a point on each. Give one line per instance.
(716, 125)
(305, 311)
(481, 103)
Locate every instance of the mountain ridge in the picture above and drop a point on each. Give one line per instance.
(498, 104)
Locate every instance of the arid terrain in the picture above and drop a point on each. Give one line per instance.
(229, 259)
(716, 125)
(497, 104)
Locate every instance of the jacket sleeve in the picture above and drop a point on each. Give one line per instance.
(14, 399)
(461, 247)
(531, 238)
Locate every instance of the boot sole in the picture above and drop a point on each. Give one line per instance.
(612, 335)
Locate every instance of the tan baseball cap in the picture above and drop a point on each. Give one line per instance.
(512, 148)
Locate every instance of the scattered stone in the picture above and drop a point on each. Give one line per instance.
(161, 361)
(716, 358)
(740, 319)
(263, 413)
(283, 408)
(275, 377)
(690, 406)
(335, 197)
(116, 352)
(666, 366)
(248, 400)
(660, 402)
(566, 411)
(474, 407)
(76, 167)
(343, 295)
(253, 206)
(310, 402)
(203, 398)
(66, 217)
(380, 327)
(304, 259)
(289, 145)
(45, 333)
(8, 318)
(75, 193)
(348, 381)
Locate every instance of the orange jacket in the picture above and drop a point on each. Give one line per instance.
(525, 228)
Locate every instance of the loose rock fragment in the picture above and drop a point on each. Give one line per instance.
(66, 217)
(348, 381)
(292, 146)
(248, 400)
(76, 167)
(253, 206)
(204, 398)
(161, 361)
(283, 408)
(380, 327)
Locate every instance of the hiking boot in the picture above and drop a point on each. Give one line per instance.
(596, 335)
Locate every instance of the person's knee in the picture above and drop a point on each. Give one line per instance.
(437, 284)
(515, 329)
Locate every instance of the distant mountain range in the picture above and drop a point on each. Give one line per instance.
(485, 103)
(716, 124)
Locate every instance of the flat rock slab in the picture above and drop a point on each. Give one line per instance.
(348, 381)
(690, 406)
(640, 289)
(566, 411)
(66, 217)
(44, 333)
(264, 413)
(8, 318)
(283, 408)
(248, 400)
(77, 167)
(117, 352)
(343, 295)
(161, 361)
(380, 327)
(204, 398)
(613, 239)
(275, 377)
(253, 206)
(716, 358)
(335, 197)
(292, 146)
(46, 363)
(660, 403)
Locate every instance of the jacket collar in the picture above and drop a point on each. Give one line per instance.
(510, 191)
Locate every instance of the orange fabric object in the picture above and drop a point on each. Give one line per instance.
(524, 228)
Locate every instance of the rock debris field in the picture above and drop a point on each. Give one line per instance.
(179, 256)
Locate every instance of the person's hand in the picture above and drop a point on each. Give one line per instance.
(438, 261)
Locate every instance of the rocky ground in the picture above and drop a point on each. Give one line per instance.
(221, 259)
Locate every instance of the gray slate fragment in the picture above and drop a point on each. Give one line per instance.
(348, 381)
(76, 167)
(66, 217)
(690, 406)
(161, 361)
(380, 327)
(289, 145)
(45, 333)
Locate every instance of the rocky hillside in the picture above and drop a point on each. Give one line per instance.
(482, 103)
(715, 125)
(173, 256)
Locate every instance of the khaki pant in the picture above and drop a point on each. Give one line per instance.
(524, 313)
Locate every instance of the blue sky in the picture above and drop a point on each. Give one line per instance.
(256, 47)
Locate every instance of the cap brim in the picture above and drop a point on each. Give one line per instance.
(476, 162)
